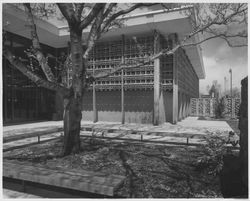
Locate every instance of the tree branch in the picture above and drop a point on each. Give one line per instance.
(36, 45)
(91, 16)
(78, 10)
(94, 33)
(218, 20)
(68, 12)
(32, 76)
(34, 37)
(109, 9)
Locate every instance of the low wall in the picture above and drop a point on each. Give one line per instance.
(114, 116)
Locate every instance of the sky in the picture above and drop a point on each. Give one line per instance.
(218, 58)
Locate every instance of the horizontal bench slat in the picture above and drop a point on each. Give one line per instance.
(144, 132)
(81, 180)
(31, 134)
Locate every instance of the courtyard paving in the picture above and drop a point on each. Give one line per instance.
(188, 125)
(165, 132)
(10, 194)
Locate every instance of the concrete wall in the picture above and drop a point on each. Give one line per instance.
(138, 106)
(116, 116)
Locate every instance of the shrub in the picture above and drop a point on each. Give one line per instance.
(219, 108)
(213, 152)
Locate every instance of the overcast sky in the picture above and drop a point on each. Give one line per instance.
(218, 58)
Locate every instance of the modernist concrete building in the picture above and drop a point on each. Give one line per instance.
(155, 93)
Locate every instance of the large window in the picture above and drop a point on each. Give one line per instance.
(22, 99)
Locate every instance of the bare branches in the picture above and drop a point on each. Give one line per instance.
(36, 50)
(78, 10)
(222, 15)
(94, 33)
(34, 37)
(32, 76)
(91, 16)
(109, 9)
(218, 21)
(230, 44)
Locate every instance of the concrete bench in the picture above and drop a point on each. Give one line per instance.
(143, 132)
(145, 136)
(81, 180)
(31, 134)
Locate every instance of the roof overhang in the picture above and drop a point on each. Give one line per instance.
(164, 23)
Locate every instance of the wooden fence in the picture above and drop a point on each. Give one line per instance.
(206, 107)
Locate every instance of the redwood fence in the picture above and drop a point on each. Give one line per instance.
(206, 107)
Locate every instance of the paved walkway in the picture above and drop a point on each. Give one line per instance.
(15, 194)
(188, 125)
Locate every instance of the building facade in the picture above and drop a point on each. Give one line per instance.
(154, 93)
(135, 88)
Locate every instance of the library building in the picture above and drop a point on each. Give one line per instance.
(155, 93)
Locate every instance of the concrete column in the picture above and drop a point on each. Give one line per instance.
(187, 106)
(204, 107)
(5, 96)
(122, 80)
(184, 106)
(175, 89)
(211, 107)
(197, 107)
(156, 115)
(180, 101)
(95, 115)
(175, 82)
(175, 104)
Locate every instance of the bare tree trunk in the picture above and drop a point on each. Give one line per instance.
(72, 124)
(73, 104)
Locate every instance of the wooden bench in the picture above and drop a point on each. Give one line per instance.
(81, 180)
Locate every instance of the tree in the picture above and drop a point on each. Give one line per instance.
(235, 93)
(215, 89)
(101, 17)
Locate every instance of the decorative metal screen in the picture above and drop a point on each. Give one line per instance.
(231, 106)
(206, 107)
